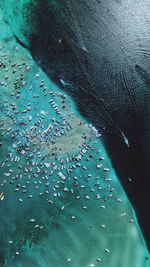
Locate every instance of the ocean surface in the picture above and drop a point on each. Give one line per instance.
(62, 201)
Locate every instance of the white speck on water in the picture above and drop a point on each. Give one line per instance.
(125, 139)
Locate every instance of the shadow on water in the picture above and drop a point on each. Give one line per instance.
(123, 132)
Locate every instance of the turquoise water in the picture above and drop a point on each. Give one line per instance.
(63, 203)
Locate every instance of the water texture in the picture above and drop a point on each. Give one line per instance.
(63, 201)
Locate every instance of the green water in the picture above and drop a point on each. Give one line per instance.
(80, 219)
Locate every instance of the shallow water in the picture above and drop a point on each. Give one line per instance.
(63, 202)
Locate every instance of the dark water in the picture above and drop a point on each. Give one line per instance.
(105, 59)
(101, 59)
(57, 208)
